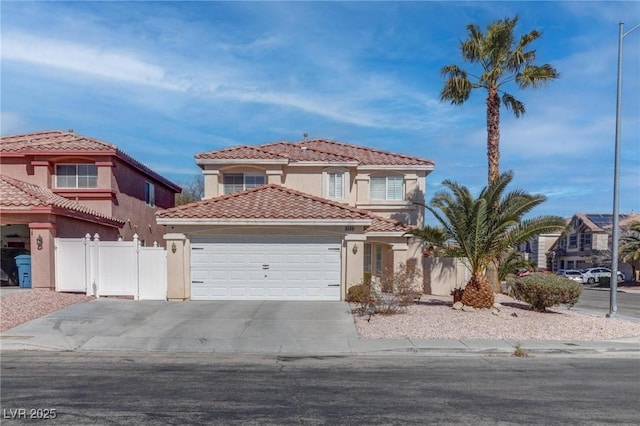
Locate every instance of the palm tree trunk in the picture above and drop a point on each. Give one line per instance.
(478, 292)
(493, 133)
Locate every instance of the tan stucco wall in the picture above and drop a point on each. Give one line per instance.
(443, 274)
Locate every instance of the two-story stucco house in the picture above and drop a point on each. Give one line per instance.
(61, 184)
(294, 221)
(586, 234)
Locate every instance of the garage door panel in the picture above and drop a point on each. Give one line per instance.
(265, 268)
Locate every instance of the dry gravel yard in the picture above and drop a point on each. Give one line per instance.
(434, 318)
(20, 307)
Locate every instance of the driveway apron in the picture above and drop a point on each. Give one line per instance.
(267, 327)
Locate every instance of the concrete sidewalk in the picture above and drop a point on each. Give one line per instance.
(276, 328)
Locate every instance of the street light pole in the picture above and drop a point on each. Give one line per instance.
(613, 305)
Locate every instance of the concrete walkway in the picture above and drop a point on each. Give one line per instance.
(281, 328)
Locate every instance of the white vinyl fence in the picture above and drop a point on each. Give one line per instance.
(111, 268)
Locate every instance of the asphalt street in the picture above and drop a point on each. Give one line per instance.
(154, 389)
(596, 302)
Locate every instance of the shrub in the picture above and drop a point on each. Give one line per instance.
(542, 291)
(359, 293)
(604, 282)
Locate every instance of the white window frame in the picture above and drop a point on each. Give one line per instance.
(76, 176)
(244, 181)
(149, 194)
(387, 188)
(330, 188)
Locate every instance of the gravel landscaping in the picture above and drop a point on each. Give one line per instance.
(434, 318)
(20, 307)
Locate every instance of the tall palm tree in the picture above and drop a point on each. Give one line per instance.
(503, 61)
(484, 228)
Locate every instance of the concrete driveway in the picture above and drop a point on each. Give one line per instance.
(192, 326)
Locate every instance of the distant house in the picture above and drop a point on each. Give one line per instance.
(61, 184)
(294, 221)
(587, 235)
(536, 249)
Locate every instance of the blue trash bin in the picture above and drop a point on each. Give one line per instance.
(23, 262)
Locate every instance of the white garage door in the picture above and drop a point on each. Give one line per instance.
(265, 268)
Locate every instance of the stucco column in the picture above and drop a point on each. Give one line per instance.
(275, 176)
(399, 255)
(178, 284)
(43, 255)
(211, 183)
(354, 260)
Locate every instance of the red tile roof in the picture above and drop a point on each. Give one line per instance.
(299, 153)
(19, 195)
(242, 152)
(274, 202)
(364, 155)
(56, 142)
(315, 150)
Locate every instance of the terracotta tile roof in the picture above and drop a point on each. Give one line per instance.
(271, 202)
(242, 152)
(383, 224)
(297, 153)
(275, 202)
(316, 150)
(19, 195)
(364, 155)
(56, 142)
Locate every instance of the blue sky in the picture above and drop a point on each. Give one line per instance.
(166, 80)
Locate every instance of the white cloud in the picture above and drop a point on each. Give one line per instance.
(12, 123)
(85, 59)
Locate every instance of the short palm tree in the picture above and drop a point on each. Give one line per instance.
(502, 61)
(484, 228)
(631, 247)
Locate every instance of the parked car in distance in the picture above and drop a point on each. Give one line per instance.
(593, 275)
(572, 274)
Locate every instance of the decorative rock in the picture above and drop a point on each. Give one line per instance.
(514, 314)
(495, 311)
(457, 306)
(497, 306)
(466, 308)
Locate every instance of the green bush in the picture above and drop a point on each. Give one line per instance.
(542, 291)
(604, 282)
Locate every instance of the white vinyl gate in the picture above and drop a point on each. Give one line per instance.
(110, 268)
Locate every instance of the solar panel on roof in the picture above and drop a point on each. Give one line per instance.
(603, 220)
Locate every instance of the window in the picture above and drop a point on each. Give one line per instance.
(334, 186)
(390, 188)
(573, 241)
(378, 260)
(585, 241)
(149, 194)
(76, 176)
(367, 257)
(236, 182)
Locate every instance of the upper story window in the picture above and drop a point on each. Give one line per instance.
(76, 176)
(334, 183)
(149, 194)
(390, 188)
(573, 241)
(236, 182)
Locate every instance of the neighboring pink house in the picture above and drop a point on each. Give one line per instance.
(61, 184)
(294, 221)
